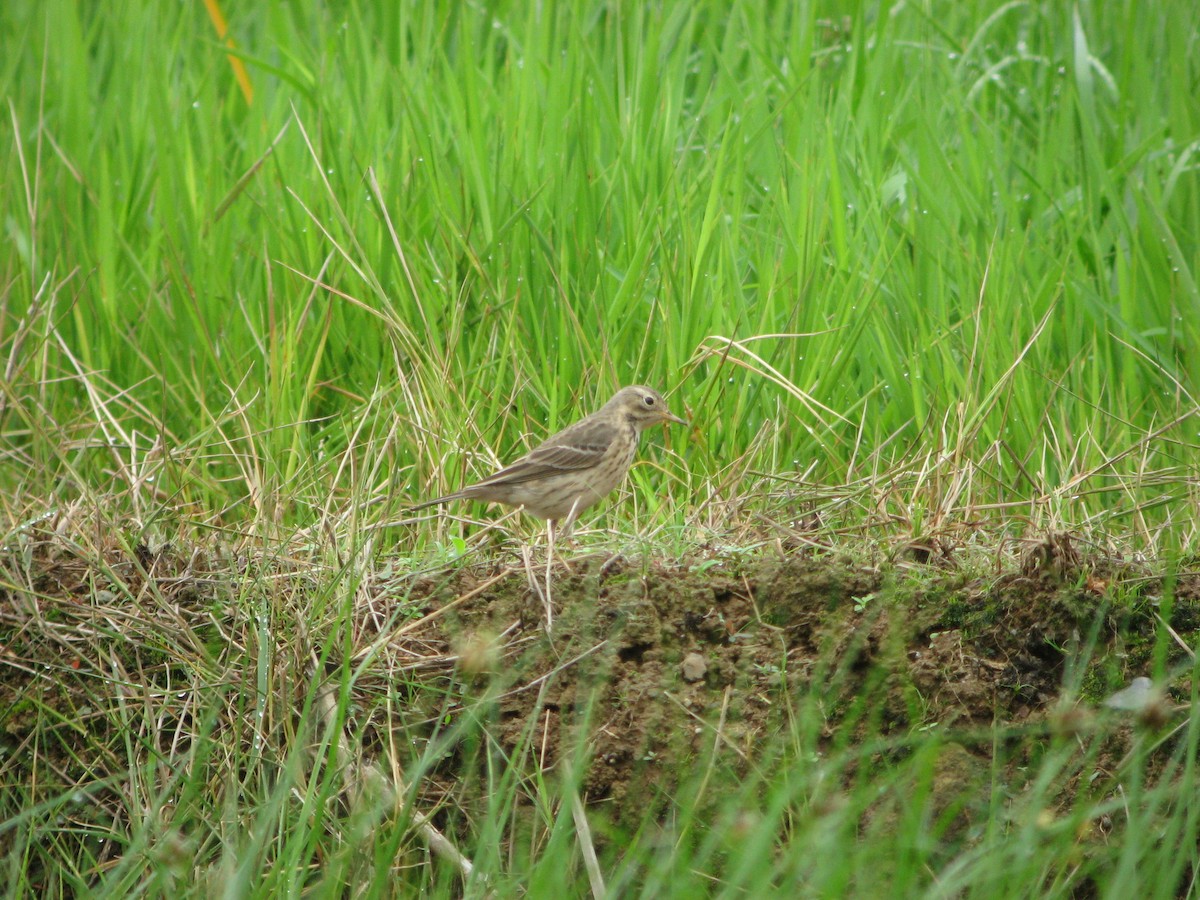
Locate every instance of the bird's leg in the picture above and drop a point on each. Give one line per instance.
(549, 561)
(569, 521)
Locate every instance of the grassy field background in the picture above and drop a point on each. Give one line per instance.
(914, 271)
(843, 238)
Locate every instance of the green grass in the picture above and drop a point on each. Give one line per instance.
(952, 237)
(920, 269)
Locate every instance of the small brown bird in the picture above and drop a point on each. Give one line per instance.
(575, 468)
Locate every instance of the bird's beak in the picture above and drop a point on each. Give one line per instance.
(671, 417)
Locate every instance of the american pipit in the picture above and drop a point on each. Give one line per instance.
(575, 468)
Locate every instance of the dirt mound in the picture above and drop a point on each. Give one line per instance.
(656, 666)
(650, 669)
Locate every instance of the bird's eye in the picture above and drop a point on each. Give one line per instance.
(649, 400)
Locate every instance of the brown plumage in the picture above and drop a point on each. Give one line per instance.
(575, 468)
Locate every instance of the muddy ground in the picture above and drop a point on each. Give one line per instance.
(650, 664)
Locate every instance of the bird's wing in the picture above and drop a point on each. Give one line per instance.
(579, 447)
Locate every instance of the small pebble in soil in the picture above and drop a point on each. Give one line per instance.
(694, 667)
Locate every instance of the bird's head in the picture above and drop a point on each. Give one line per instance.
(642, 407)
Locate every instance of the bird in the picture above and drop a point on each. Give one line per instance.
(576, 467)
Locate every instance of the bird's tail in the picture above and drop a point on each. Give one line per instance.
(425, 504)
